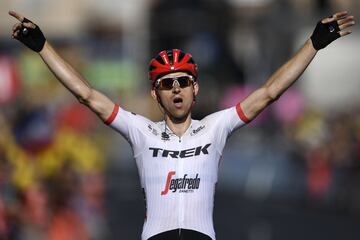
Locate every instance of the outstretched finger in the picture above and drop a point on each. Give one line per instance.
(340, 15)
(336, 16)
(345, 32)
(346, 25)
(16, 15)
(346, 20)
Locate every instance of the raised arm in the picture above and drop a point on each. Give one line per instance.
(28, 33)
(326, 31)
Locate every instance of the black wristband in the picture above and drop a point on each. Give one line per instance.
(32, 37)
(324, 34)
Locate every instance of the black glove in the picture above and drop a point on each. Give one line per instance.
(324, 34)
(32, 37)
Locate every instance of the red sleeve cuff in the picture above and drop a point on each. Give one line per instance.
(113, 115)
(241, 114)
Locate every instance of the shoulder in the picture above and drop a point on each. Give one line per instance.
(216, 116)
(122, 116)
(228, 119)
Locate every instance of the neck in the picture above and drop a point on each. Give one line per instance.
(178, 126)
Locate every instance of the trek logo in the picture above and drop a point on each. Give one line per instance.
(180, 154)
(184, 185)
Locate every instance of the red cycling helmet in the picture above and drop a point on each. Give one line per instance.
(170, 61)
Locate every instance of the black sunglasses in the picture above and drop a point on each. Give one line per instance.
(169, 82)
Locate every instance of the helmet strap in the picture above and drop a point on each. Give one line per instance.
(158, 98)
(194, 98)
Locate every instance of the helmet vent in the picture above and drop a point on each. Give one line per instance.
(191, 60)
(181, 56)
(170, 56)
(151, 67)
(160, 60)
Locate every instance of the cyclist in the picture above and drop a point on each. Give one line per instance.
(178, 158)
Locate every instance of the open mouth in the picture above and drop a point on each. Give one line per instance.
(178, 102)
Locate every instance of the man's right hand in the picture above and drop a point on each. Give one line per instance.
(28, 33)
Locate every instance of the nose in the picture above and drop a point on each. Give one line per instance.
(176, 87)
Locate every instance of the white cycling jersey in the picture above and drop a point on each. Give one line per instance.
(178, 174)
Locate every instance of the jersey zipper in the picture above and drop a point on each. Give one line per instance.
(181, 195)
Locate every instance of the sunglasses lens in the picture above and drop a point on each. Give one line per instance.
(166, 83)
(184, 81)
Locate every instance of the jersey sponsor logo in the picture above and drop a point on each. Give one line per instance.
(184, 184)
(152, 130)
(196, 131)
(165, 136)
(180, 154)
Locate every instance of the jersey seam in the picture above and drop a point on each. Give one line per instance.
(227, 131)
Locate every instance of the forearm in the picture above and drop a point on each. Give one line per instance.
(277, 84)
(78, 86)
(68, 76)
(286, 75)
(31, 36)
(325, 32)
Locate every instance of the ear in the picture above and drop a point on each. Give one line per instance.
(196, 88)
(154, 94)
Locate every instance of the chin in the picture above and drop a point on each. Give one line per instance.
(179, 117)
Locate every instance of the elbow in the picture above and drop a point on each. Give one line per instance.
(85, 97)
(83, 101)
(272, 96)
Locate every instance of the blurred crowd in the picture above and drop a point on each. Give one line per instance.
(52, 158)
(55, 154)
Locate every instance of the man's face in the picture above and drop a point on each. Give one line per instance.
(177, 101)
